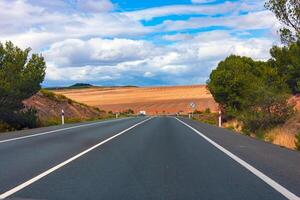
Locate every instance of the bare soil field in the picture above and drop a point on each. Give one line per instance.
(153, 100)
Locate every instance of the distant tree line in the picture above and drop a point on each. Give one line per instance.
(256, 92)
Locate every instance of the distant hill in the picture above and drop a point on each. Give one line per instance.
(81, 85)
(87, 85)
(75, 86)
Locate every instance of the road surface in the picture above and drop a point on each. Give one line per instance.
(144, 158)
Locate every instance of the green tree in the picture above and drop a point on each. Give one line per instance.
(251, 91)
(20, 78)
(287, 61)
(288, 13)
(231, 83)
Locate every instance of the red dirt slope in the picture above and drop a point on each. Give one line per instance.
(50, 107)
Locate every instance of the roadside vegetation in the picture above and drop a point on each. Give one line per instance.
(256, 93)
(206, 116)
(21, 76)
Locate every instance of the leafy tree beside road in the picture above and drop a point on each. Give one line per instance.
(21, 76)
(251, 91)
(287, 61)
(257, 93)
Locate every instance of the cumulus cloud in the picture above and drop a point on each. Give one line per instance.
(180, 63)
(148, 74)
(95, 5)
(92, 40)
(31, 25)
(221, 8)
(250, 21)
(76, 52)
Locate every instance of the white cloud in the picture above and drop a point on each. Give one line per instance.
(148, 74)
(76, 52)
(251, 21)
(85, 73)
(223, 8)
(125, 60)
(95, 5)
(88, 40)
(35, 26)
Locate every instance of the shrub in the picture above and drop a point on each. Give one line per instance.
(207, 111)
(5, 127)
(208, 118)
(197, 112)
(27, 119)
(48, 94)
(269, 110)
(128, 112)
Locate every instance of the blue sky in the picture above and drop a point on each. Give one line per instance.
(129, 42)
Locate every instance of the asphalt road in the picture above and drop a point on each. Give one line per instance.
(144, 158)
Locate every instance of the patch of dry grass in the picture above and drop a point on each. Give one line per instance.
(285, 135)
(282, 137)
(234, 125)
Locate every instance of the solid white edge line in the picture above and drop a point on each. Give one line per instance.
(58, 130)
(36, 178)
(279, 188)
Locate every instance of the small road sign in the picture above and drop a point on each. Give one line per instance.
(193, 105)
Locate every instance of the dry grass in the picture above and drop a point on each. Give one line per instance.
(282, 137)
(285, 135)
(234, 125)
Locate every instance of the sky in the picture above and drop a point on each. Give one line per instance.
(137, 42)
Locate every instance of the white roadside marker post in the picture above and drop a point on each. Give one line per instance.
(62, 117)
(220, 118)
(193, 106)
